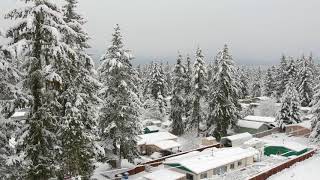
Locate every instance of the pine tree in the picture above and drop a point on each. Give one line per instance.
(305, 85)
(168, 76)
(120, 111)
(270, 83)
(281, 77)
(257, 87)
(289, 111)
(79, 99)
(188, 88)
(177, 102)
(292, 71)
(42, 31)
(315, 125)
(244, 90)
(199, 81)
(157, 87)
(224, 107)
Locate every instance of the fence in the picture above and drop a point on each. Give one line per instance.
(264, 175)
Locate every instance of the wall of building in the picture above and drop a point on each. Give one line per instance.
(297, 130)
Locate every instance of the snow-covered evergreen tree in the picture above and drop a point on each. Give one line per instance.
(177, 100)
(289, 111)
(120, 110)
(270, 83)
(188, 87)
(224, 107)
(315, 125)
(292, 71)
(79, 100)
(305, 85)
(157, 87)
(168, 76)
(257, 84)
(244, 85)
(281, 77)
(42, 30)
(199, 81)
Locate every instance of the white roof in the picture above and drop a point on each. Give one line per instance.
(210, 138)
(212, 159)
(263, 98)
(153, 128)
(167, 144)
(305, 108)
(235, 137)
(152, 138)
(164, 174)
(249, 124)
(19, 114)
(260, 119)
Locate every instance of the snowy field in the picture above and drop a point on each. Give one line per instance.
(308, 170)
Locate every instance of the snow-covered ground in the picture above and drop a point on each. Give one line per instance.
(308, 169)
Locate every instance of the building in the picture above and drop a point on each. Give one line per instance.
(21, 114)
(163, 142)
(252, 127)
(285, 149)
(165, 174)
(208, 141)
(300, 129)
(211, 163)
(236, 140)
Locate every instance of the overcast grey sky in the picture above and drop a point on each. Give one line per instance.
(257, 31)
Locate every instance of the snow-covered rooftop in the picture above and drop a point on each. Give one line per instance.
(19, 114)
(208, 160)
(152, 138)
(260, 119)
(305, 124)
(249, 124)
(239, 136)
(164, 174)
(167, 144)
(290, 145)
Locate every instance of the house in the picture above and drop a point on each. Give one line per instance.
(300, 129)
(21, 114)
(285, 149)
(252, 127)
(235, 140)
(164, 142)
(211, 163)
(165, 174)
(151, 129)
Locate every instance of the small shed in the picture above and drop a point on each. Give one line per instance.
(157, 142)
(235, 140)
(252, 127)
(285, 149)
(165, 174)
(151, 129)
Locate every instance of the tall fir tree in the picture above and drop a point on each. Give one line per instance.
(281, 77)
(224, 107)
(270, 83)
(315, 110)
(199, 81)
(120, 111)
(257, 85)
(177, 100)
(188, 87)
(305, 84)
(289, 111)
(78, 100)
(244, 84)
(157, 87)
(42, 30)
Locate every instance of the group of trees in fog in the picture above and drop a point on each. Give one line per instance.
(79, 115)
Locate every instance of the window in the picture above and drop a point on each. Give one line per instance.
(203, 175)
(239, 163)
(232, 166)
(189, 176)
